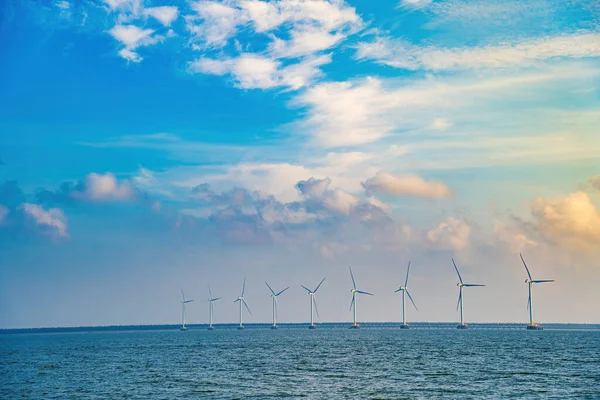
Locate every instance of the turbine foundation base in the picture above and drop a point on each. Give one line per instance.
(534, 327)
(211, 328)
(312, 327)
(462, 326)
(274, 327)
(240, 328)
(404, 326)
(183, 328)
(354, 326)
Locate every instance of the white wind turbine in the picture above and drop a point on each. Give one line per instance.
(313, 302)
(274, 297)
(461, 285)
(355, 291)
(242, 301)
(530, 281)
(211, 300)
(183, 303)
(404, 290)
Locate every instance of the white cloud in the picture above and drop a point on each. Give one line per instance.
(452, 234)
(414, 4)
(214, 23)
(106, 187)
(133, 37)
(164, 14)
(63, 5)
(406, 185)
(401, 54)
(304, 42)
(251, 71)
(128, 6)
(364, 111)
(52, 221)
(130, 55)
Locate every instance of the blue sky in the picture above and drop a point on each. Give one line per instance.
(149, 146)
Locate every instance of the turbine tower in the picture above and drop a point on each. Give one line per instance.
(183, 303)
(242, 301)
(313, 302)
(355, 291)
(461, 285)
(274, 297)
(530, 281)
(404, 290)
(211, 299)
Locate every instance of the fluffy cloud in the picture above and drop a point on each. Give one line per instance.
(251, 71)
(94, 188)
(571, 222)
(164, 14)
(213, 24)
(407, 185)
(401, 54)
(132, 37)
(106, 187)
(52, 221)
(452, 234)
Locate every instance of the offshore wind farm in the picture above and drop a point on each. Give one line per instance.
(178, 178)
(353, 303)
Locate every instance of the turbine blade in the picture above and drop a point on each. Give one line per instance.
(282, 291)
(472, 284)
(270, 288)
(456, 268)
(397, 290)
(215, 299)
(361, 292)
(459, 300)
(236, 300)
(543, 280)
(209, 292)
(351, 303)
(244, 287)
(305, 288)
(407, 271)
(528, 302)
(411, 300)
(527, 269)
(247, 308)
(182, 295)
(352, 276)
(315, 291)
(316, 309)
(188, 301)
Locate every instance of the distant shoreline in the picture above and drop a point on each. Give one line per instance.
(325, 325)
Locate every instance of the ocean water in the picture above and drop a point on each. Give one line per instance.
(373, 363)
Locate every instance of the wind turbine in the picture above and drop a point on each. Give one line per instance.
(242, 301)
(274, 297)
(211, 299)
(353, 303)
(183, 303)
(460, 285)
(404, 290)
(530, 281)
(313, 301)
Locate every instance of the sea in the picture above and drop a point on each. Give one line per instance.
(378, 361)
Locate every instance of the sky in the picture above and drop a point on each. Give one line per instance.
(149, 147)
